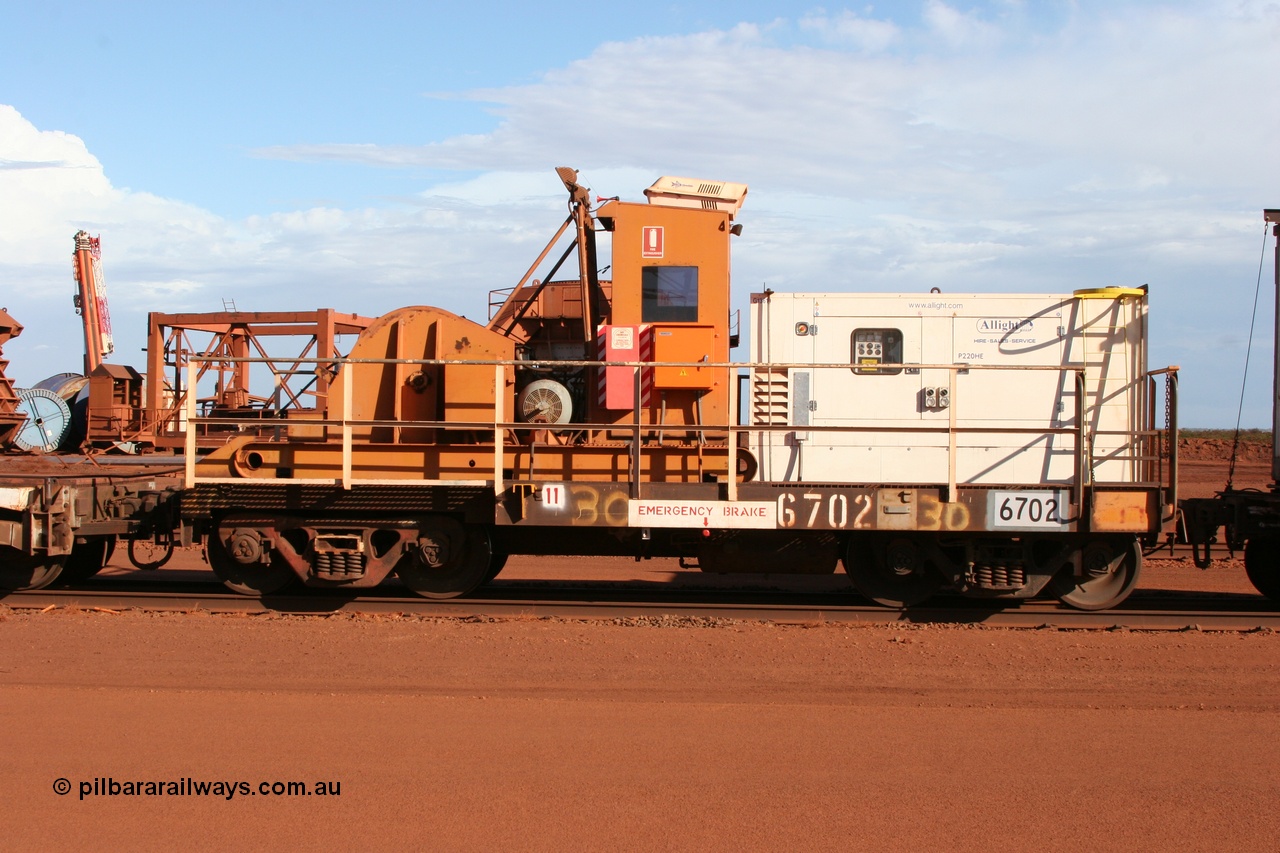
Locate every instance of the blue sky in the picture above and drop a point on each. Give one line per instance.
(313, 155)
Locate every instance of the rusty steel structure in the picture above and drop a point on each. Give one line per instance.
(11, 419)
(128, 407)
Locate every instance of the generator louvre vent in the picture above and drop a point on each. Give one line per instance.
(769, 397)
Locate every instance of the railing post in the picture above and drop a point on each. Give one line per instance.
(275, 402)
(733, 436)
(499, 380)
(1080, 444)
(346, 426)
(1155, 471)
(952, 495)
(635, 434)
(189, 455)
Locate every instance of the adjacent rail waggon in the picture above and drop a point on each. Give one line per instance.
(1000, 446)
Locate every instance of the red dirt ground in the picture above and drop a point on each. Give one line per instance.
(646, 734)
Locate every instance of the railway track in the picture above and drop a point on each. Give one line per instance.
(1182, 551)
(1145, 610)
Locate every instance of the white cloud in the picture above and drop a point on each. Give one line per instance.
(957, 28)
(446, 248)
(849, 28)
(962, 109)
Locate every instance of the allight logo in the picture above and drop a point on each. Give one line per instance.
(1002, 324)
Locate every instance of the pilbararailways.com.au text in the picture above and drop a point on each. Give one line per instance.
(107, 786)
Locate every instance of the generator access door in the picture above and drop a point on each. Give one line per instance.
(878, 378)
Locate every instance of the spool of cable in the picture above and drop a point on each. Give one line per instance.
(73, 388)
(48, 420)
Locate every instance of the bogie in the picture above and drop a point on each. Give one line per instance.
(438, 557)
(1086, 573)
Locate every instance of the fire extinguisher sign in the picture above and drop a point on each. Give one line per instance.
(652, 247)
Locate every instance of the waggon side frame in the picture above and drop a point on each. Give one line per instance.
(604, 494)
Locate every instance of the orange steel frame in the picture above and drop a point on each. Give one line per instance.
(234, 335)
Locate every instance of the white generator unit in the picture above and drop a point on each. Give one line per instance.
(957, 389)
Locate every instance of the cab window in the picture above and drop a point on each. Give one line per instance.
(669, 295)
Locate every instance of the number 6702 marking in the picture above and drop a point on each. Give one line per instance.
(806, 510)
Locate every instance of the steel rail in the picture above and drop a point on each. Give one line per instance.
(1170, 612)
(1184, 551)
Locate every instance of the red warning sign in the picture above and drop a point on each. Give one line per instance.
(652, 235)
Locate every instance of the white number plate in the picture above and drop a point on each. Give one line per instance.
(1030, 510)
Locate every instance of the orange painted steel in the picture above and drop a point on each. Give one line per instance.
(283, 462)
(91, 300)
(405, 391)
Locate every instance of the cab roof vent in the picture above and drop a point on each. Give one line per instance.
(697, 193)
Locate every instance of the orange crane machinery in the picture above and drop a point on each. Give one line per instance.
(91, 300)
(610, 384)
(667, 305)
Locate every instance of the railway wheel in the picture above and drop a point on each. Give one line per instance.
(450, 560)
(893, 572)
(238, 563)
(496, 564)
(20, 571)
(86, 560)
(1110, 571)
(1262, 565)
